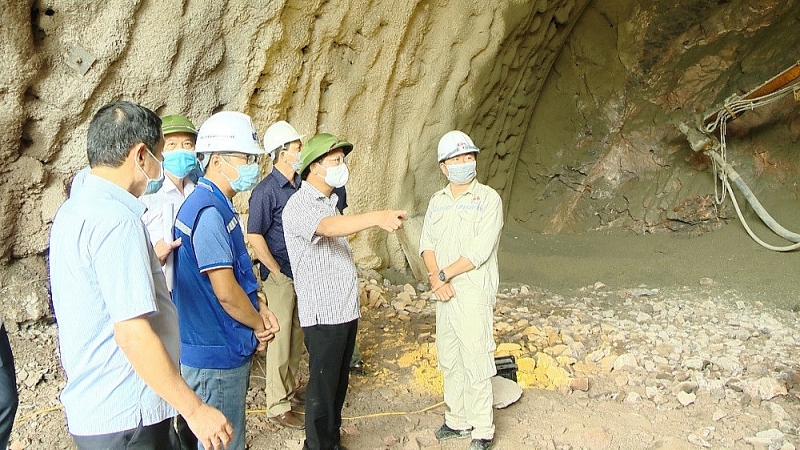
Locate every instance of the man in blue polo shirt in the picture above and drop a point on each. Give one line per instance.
(222, 321)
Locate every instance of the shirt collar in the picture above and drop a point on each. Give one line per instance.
(282, 180)
(94, 184)
(169, 185)
(318, 195)
(469, 191)
(205, 183)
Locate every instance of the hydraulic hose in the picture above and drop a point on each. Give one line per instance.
(765, 217)
(747, 227)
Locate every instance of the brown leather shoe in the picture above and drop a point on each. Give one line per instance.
(288, 420)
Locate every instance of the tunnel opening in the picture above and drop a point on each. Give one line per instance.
(603, 185)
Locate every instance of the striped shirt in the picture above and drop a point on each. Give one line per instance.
(325, 276)
(103, 270)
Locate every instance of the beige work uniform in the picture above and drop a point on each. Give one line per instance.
(469, 226)
(283, 352)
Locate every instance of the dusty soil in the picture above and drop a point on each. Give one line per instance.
(669, 362)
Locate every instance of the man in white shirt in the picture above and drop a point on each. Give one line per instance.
(117, 326)
(180, 161)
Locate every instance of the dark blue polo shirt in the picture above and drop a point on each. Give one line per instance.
(266, 211)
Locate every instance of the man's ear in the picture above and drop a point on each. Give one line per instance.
(138, 152)
(443, 168)
(213, 160)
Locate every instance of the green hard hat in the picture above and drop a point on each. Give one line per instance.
(320, 145)
(177, 123)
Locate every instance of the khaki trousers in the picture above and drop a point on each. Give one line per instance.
(283, 353)
(465, 350)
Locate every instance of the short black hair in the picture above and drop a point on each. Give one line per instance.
(118, 126)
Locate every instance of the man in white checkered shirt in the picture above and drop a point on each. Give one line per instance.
(326, 282)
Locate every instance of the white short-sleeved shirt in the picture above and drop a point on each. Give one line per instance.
(154, 218)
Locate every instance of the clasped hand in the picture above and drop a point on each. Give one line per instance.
(442, 289)
(270, 327)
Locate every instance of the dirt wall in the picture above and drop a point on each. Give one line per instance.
(391, 77)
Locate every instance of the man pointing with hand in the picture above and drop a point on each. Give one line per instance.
(325, 281)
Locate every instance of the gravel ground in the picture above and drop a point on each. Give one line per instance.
(641, 367)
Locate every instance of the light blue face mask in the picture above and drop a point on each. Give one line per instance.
(461, 173)
(179, 163)
(153, 184)
(246, 179)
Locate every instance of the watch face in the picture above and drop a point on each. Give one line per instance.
(442, 275)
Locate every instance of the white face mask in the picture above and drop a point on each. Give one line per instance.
(461, 173)
(297, 164)
(337, 177)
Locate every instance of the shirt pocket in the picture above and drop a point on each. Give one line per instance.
(468, 224)
(437, 226)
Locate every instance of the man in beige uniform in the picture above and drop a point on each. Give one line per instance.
(459, 246)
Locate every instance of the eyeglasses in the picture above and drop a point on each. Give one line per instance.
(251, 159)
(337, 160)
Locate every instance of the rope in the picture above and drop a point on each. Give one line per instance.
(37, 413)
(366, 416)
(261, 411)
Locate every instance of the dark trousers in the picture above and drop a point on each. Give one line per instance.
(186, 438)
(158, 436)
(8, 389)
(330, 348)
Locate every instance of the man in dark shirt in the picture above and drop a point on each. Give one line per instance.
(265, 235)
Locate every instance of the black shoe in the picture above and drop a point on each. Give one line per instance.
(444, 433)
(480, 444)
(358, 368)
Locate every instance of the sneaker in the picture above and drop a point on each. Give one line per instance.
(444, 433)
(480, 444)
(358, 368)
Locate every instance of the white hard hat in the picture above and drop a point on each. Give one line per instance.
(455, 143)
(228, 131)
(279, 134)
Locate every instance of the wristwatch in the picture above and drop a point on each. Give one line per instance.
(442, 276)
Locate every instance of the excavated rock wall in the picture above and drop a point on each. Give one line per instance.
(576, 108)
(603, 149)
(391, 77)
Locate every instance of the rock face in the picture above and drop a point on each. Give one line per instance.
(566, 148)
(602, 149)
